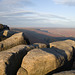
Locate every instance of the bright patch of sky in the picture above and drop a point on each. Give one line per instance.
(38, 13)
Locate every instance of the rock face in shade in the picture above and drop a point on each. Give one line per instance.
(40, 45)
(12, 41)
(43, 61)
(10, 60)
(3, 27)
(72, 72)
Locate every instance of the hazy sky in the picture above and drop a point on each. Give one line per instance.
(38, 13)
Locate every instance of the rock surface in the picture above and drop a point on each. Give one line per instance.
(73, 67)
(9, 33)
(42, 61)
(22, 71)
(66, 45)
(40, 45)
(72, 72)
(6, 34)
(63, 43)
(39, 60)
(10, 60)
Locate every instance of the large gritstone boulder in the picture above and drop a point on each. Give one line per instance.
(72, 72)
(12, 41)
(43, 61)
(10, 60)
(73, 67)
(66, 46)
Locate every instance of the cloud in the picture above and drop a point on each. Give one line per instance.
(31, 18)
(10, 5)
(66, 2)
(15, 12)
(33, 14)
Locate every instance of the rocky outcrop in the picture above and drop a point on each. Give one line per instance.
(42, 61)
(10, 60)
(35, 59)
(72, 72)
(12, 41)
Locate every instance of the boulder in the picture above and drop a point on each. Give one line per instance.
(66, 45)
(10, 60)
(71, 72)
(12, 41)
(43, 61)
(40, 45)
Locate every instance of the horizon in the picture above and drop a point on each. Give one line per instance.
(40, 13)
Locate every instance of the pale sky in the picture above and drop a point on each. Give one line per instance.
(38, 13)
